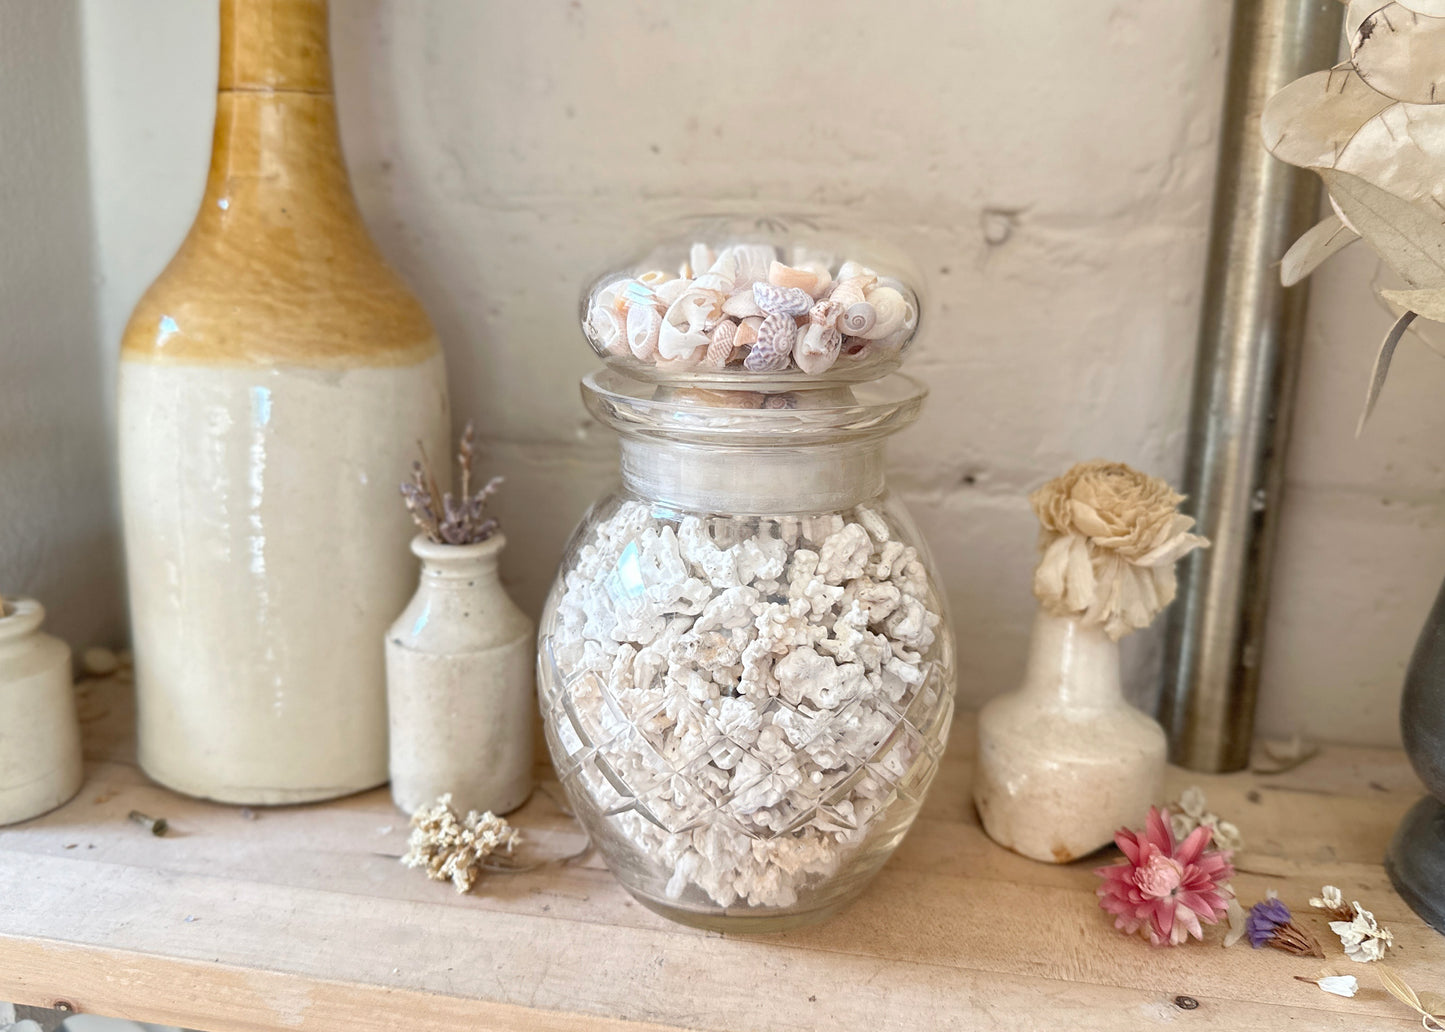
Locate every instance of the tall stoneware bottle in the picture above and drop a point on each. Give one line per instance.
(274, 383)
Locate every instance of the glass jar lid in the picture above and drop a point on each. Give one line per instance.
(766, 302)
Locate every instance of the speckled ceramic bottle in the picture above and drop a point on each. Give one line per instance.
(460, 688)
(40, 765)
(274, 383)
(1065, 761)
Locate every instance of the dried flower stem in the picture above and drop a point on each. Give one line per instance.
(1293, 939)
(443, 518)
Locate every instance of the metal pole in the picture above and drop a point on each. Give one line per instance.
(1244, 382)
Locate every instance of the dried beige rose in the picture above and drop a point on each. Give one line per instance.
(1110, 537)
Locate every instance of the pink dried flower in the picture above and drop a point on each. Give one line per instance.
(1161, 890)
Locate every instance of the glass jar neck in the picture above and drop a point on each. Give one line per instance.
(755, 480)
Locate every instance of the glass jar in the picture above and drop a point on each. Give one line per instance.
(746, 664)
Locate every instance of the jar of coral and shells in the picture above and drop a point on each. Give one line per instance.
(745, 664)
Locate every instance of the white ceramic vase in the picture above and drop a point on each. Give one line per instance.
(1065, 761)
(40, 764)
(460, 684)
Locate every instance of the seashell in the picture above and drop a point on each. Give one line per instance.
(653, 277)
(781, 300)
(825, 313)
(747, 331)
(858, 319)
(670, 290)
(849, 290)
(894, 312)
(714, 281)
(818, 349)
(698, 308)
(676, 344)
(605, 323)
(773, 349)
(700, 256)
(855, 347)
(850, 269)
(742, 304)
(644, 325)
(720, 347)
(632, 293)
(813, 280)
(747, 263)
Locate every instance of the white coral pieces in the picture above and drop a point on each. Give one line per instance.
(1363, 938)
(732, 693)
(748, 312)
(453, 850)
(1110, 537)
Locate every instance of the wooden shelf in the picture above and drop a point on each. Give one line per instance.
(301, 917)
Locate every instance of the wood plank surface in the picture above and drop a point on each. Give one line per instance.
(301, 917)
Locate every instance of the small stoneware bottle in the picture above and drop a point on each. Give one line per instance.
(460, 687)
(1065, 761)
(40, 765)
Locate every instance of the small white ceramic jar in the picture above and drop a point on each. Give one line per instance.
(40, 764)
(460, 687)
(1065, 761)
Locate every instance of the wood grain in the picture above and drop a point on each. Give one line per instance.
(301, 917)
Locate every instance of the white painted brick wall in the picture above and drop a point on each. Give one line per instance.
(1049, 165)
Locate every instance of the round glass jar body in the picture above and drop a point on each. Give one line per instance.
(745, 664)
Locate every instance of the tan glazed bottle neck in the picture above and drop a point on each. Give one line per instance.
(278, 268)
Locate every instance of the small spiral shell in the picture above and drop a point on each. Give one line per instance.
(773, 349)
(859, 319)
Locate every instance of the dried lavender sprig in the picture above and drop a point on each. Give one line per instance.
(444, 518)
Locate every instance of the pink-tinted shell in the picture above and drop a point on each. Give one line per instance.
(747, 331)
(825, 313)
(782, 300)
(720, 348)
(773, 349)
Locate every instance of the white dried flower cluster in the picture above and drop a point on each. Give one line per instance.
(1190, 811)
(1109, 537)
(1363, 938)
(456, 850)
(737, 681)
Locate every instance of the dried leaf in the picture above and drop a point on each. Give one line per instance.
(1382, 367)
(1410, 239)
(1309, 122)
(1428, 303)
(1399, 988)
(1401, 150)
(1396, 50)
(1325, 238)
(1430, 1013)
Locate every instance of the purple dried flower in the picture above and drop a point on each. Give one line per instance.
(1263, 919)
(1270, 924)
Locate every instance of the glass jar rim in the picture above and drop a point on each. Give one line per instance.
(703, 415)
